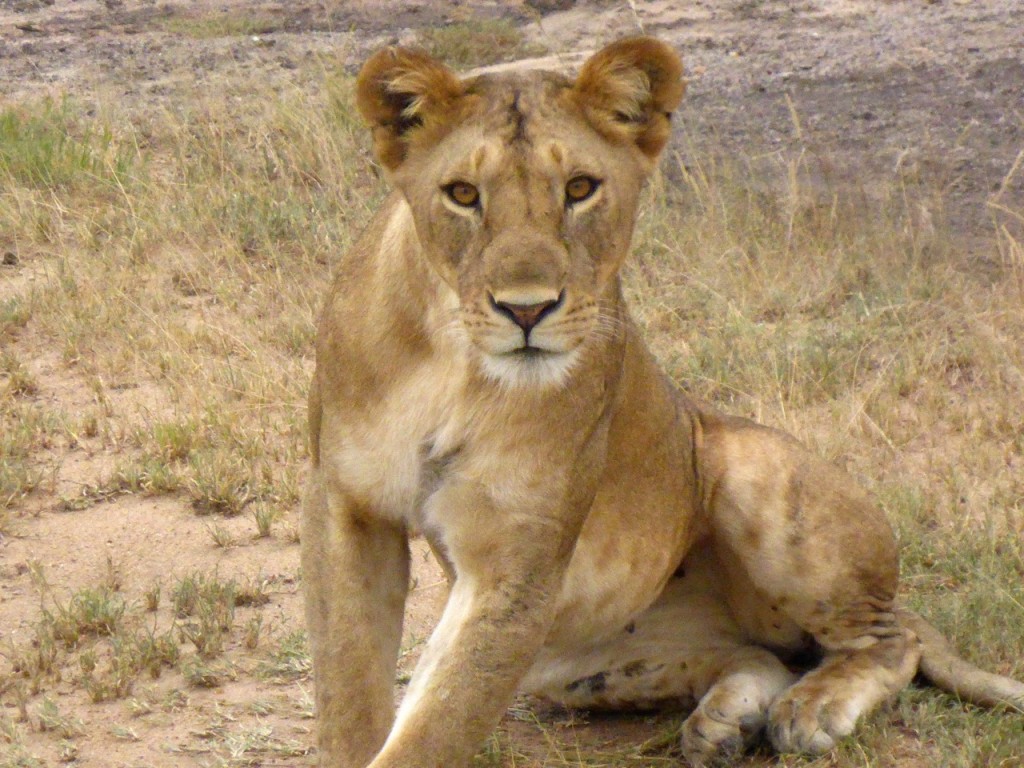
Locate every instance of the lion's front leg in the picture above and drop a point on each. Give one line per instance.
(356, 574)
(498, 614)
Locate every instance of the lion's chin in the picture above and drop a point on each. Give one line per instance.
(530, 368)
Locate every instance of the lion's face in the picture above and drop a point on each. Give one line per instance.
(526, 212)
(523, 190)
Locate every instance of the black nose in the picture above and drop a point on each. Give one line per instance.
(526, 316)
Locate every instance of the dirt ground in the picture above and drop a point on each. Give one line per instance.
(929, 89)
(933, 86)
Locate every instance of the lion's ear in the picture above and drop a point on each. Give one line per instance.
(400, 91)
(629, 90)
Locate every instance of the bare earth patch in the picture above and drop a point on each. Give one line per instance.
(835, 248)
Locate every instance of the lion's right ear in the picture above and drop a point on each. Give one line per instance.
(401, 92)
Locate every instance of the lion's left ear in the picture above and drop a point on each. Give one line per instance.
(629, 90)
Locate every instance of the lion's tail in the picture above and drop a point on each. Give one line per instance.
(945, 669)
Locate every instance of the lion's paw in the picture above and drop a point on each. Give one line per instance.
(808, 721)
(713, 736)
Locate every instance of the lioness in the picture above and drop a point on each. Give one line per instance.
(609, 542)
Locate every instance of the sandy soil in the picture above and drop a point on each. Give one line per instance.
(930, 90)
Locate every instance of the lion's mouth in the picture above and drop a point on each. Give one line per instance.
(530, 366)
(530, 352)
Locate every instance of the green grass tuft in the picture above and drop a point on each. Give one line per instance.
(53, 148)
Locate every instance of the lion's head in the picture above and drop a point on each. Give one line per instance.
(523, 188)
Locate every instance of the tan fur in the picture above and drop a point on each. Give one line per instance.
(610, 542)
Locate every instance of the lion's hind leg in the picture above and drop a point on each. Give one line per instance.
(827, 702)
(685, 650)
(804, 550)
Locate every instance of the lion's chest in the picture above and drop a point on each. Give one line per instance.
(391, 454)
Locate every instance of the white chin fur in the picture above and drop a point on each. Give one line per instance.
(534, 372)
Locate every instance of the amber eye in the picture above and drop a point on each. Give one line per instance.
(580, 188)
(461, 193)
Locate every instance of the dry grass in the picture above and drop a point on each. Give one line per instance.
(185, 254)
(223, 24)
(477, 42)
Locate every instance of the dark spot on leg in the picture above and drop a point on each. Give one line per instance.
(593, 684)
(631, 627)
(634, 668)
